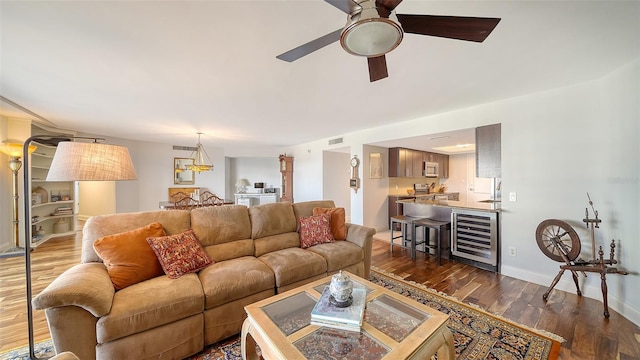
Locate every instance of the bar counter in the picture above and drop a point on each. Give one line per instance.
(475, 228)
(450, 204)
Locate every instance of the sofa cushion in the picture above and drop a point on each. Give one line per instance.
(338, 223)
(276, 242)
(234, 279)
(339, 254)
(128, 257)
(271, 219)
(173, 222)
(230, 250)
(149, 304)
(305, 208)
(315, 230)
(179, 254)
(294, 264)
(215, 225)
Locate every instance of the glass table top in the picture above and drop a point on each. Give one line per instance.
(389, 316)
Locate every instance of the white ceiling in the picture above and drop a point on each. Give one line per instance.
(163, 70)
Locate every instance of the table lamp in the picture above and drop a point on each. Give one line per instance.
(241, 185)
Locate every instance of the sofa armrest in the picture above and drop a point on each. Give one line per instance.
(363, 237)
(85, 285)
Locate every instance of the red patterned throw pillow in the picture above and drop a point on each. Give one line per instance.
(180, 254)
(315, 230)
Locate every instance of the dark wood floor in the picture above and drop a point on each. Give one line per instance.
(579, 320)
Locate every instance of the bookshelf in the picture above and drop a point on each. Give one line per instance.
(52, 202)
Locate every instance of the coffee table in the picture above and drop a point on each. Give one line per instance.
(394, 327)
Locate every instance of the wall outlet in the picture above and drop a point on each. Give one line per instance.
(513, 197)
(513, 251)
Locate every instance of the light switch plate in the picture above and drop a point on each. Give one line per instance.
(513, 196)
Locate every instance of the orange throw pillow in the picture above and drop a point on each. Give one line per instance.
(128, 257)
(338, 224)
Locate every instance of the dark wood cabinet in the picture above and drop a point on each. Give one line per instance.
(488, 154)
(418, 158)
(443, 164)
(409, 163)
(401, 162)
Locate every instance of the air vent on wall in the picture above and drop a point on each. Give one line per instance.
(189, 148)
(335, 141)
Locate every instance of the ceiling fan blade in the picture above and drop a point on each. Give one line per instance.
(452, 27)
(311, 46)
(377, 68)
(346, 6)
(389, 4)
(385, 7)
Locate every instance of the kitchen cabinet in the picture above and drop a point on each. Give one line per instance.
(410, 163)
(405, 162)
(418, 159)
(488, 155)
(400, 162)
(430, 157)
(443, 164)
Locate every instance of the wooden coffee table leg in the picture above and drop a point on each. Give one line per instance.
(446, 351)
(248, 344)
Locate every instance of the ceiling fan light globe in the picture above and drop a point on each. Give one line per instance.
(371, 37)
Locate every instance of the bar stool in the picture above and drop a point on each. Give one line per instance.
(405, 222)
(440, 227)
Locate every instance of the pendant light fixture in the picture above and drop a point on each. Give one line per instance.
(198, 156)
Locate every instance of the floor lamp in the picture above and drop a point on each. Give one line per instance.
(14, 150)
(72, 161)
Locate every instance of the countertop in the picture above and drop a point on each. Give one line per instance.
(451, 204)
(425, 195)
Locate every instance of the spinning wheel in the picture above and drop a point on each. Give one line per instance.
(558, 240)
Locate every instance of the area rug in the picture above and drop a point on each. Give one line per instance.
(477, 334)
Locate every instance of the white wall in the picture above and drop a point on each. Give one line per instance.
(335, 182)
(376, 201)
(255, 169)
(556, 146)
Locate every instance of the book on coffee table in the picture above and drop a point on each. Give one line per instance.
(345, 318)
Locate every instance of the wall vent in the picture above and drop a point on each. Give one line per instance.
(189, 148)
(335, 141)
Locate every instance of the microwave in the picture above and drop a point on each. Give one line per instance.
(430, 169)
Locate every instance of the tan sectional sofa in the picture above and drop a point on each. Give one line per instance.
(256, 253)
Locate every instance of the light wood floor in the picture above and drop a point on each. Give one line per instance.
(579, 320)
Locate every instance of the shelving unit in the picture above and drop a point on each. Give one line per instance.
(45, 223)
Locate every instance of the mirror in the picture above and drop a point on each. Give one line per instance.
(182, 175)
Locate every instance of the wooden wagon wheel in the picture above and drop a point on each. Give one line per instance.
(552, 230)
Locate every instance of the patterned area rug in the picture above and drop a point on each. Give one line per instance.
(477, 334)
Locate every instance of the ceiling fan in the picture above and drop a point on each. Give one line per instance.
(372, 30)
